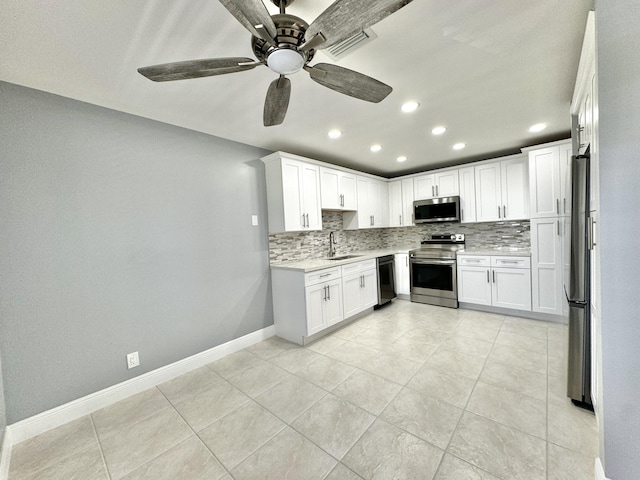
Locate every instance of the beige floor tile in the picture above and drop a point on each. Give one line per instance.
(467, 346)
(287, 400)
(451, 388)
(510, 408)
(391, 329)
(452, 468)
(189, 384)
(566, 464)
(295, 359)
(203, 409)
(411, 349)
(425, 335)
(557, 366)
(51, 447)
(367, 391)
(522, 342)
(235, 363)
(476, 330)
(286, 456)
(130, 448)
(392, 367)
(84, 465)
(457, 363)
(342, 473)
(271, 347)
(573, 428)
(534, 362)
(523, 326)
(515, 379)
(503, 451)
(375, 339)
(557, 389)
(386, 452)
(326, 372)
(349, 331)
(259, 378)
(333, 424)
(189, 460)
(129, 411)
(353, 353)
(325, 344)
(237, 435)
(425, 417)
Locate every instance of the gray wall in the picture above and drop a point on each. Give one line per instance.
(618, 57)
(3, 415)
(119, 234)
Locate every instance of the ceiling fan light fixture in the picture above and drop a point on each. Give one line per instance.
(438, 130)
(285, 61)
(538, 127)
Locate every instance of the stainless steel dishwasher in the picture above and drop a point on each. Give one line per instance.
(386, 280)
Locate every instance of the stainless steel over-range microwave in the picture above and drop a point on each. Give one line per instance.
(444, 209)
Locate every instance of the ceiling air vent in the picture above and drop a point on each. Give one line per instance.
(344, 48)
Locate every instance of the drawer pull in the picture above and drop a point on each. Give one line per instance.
(324, 275)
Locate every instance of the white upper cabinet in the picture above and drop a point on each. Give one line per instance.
(502, 190)
(338, 189)
(373, 205)
(293, 194)
(549, 186)
(401, 203)
(467, 194)
(438, 184)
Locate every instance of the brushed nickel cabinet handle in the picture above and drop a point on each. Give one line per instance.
(488, 281)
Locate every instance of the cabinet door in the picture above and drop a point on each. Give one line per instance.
(546, 265)
(566, 151)
(395, 204)
(407, 202)
(545, 188)
(315, 298)
(447, 183)
(365, 219)
(424, 187)
(369, 288)
(515, 189)
(329, 188)
(352, 301)
(511, 288)
(311, 196)
(333, 304)
(291, 195)
(348, 191)
(467, 195)
(381, 211)
(488, 192)
(474, 285)
(401, 265)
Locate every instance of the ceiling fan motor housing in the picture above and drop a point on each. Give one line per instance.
(290, 32)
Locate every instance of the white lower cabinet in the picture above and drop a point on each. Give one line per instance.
(547, 265)
(498, 281)
(401, 265)
(324, 305)
(359, 286)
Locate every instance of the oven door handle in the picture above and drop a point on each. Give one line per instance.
(433, 262)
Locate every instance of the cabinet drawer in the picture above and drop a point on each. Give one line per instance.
(474, 260)
(358, 266)
(511, 262)
(319, 276)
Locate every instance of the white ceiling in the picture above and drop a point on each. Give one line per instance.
(485, 69)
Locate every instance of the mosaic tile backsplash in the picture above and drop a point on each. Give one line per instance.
(290, 247)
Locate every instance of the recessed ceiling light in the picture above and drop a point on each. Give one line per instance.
(335, 133)
(401, 159)
(538, 127)
(410, 107)
(439, 130)
(459, 146)
(375, 148)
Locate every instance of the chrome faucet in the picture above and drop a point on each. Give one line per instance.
(332, 243)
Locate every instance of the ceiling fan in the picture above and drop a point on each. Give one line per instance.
(286, 44)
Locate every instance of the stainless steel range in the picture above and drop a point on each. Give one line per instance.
(433, 270)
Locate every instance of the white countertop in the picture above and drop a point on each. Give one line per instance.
(314, 264)
(506, 251)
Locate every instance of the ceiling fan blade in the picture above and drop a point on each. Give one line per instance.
(277, 101)
(251, 13)
(197, 68)
(344, 18)
(349, 82)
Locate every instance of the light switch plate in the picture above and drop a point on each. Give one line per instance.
(254, 220)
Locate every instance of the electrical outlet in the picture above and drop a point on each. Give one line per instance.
(133, 360)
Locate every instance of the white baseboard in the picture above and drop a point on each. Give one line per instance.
(5, 455)
(599, 470)
(32, 426)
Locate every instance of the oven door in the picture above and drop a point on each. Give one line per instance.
(433, 277)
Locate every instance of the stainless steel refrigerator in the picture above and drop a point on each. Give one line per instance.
(579, 289)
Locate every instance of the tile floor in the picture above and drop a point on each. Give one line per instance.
(410, 391)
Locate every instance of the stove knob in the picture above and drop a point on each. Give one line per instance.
(453, 237)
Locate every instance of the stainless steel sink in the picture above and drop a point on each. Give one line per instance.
(344, 257)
